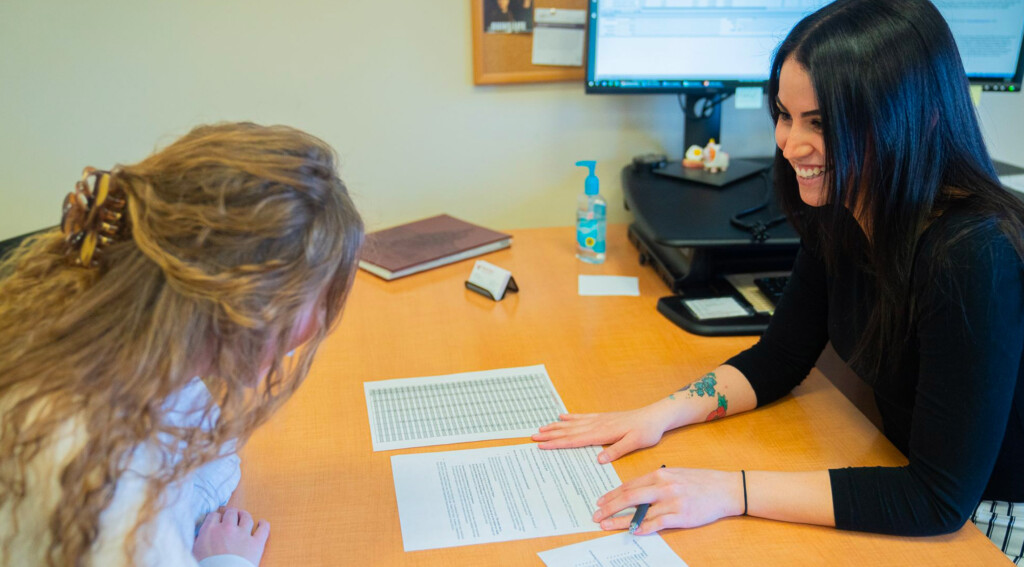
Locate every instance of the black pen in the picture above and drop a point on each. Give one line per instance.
(638, 516)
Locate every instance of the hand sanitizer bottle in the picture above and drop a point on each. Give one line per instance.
(591, 210)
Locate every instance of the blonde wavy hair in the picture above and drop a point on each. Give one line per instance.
(236, 229)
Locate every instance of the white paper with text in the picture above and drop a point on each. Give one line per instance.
(455, 498)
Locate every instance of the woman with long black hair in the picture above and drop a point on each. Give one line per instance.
(911, 265)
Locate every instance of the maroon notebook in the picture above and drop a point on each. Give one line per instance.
(424, 244)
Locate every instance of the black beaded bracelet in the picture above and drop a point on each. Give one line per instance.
(744, 473)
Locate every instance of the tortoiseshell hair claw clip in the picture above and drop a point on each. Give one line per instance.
(93, 217)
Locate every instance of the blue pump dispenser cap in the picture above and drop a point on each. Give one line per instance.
(590, 186)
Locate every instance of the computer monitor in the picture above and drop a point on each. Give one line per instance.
(705, 49)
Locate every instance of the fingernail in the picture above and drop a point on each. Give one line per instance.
(597, 515)
(602, 458)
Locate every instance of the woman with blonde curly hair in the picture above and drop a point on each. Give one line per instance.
(145, 340)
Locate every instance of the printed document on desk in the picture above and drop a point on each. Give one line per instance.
(455, 498)
(620, 550)
(458, 408)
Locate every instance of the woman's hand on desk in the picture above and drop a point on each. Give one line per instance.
(678, 498)
(624, 431)
(688, 498)
(230, 532)
(724, 391)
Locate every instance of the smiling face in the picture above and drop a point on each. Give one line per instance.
(798, 131)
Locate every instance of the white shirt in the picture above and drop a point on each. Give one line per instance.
(171, 533)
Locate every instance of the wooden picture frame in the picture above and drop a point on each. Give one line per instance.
(507, 58)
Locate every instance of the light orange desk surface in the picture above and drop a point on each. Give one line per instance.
(330, 499)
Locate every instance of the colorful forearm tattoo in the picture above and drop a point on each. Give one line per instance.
(706, 387)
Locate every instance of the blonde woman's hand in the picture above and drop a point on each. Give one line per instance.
(678, 498)
(231, 533)
(624, 431)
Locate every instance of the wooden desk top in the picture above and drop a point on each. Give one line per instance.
(330, 499)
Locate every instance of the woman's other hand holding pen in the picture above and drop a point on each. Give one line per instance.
(678, 498)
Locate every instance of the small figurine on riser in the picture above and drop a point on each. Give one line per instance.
(711, 157)
(715, 160)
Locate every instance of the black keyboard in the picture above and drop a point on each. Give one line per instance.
(772, 287)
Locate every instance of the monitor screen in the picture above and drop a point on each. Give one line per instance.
(691, 46)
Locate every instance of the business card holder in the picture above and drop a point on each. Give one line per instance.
(491, 281)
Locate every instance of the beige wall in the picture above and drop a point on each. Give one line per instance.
(388, 84)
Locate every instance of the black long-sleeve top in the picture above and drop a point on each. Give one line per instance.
(953, 400)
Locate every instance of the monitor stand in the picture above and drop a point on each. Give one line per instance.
(703, 273)
(702, 123)
(738, 169)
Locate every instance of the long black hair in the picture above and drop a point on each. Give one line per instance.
(902, 144)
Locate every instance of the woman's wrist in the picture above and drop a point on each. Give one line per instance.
(735, 493)
(672, 414)
(679, 409)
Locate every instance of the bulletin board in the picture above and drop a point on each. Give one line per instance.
(500, 58)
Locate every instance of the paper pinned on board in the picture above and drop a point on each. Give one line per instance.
(558, 36)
